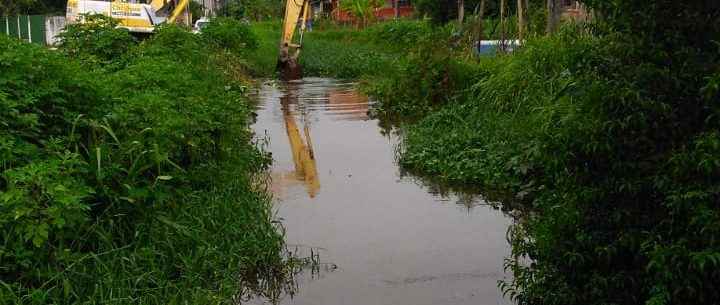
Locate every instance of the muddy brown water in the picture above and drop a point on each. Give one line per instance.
(382, 237)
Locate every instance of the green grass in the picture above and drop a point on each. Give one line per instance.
(262, 61)
(129, 174)
(334, 52)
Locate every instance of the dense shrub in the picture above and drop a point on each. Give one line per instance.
(325, 57)
(431, 74)
(611, 140)
(401, 33)
(96, 42)
(126, 172)
(231, 34)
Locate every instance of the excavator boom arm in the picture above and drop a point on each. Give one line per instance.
(181, 7)
(294, 9)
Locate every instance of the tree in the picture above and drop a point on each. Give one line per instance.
(503, 25)
(637, 222)
(461, 11)
(480, 20)
(553, 16)
(522, 6)
(437, 10)
(362, 10)
(16, 7)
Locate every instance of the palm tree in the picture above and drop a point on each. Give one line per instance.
(363, 10)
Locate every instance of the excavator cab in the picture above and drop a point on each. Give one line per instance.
(296, 12)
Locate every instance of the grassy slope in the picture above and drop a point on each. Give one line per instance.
(165, 235)
(334, 52)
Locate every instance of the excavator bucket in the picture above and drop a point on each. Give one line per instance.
(288, 65)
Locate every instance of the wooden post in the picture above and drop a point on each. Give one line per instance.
(553, 11)
(502, 25)
(521, 19)
(481, 22)
(396, 5)
(478, 25)
(461, 12)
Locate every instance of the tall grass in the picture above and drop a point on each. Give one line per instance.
(334, 51)
(598, 139)
(263, 60)
(129, 175)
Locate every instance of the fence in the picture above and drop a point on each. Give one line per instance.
(33, 28)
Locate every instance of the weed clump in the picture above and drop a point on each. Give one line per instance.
(230, 34)
(128, 172)
(96, 42)
(599, 136)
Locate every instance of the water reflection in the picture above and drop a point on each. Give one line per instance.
(392, 238)
(297, 102)
(302, 151)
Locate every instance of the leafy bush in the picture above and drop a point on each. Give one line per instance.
(97, 41)
(430, 75)
(362, 10)
(402, 33)
(325, 57)
(600, 137)
(117, 166)
(231, 34)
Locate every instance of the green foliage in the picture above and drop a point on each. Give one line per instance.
(324, 56)
(438, 11)
(230, 34)
(338, 52)
(196, 10)
(31, 7)
(257, 10)
(127, 171)
(96, 42)
(401, 33)
(430, 74)
(612, 143)
(364, 10)
(263, 60)
(443, 11)
(607, 134)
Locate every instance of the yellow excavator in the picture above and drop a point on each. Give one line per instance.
(296, 12)
(138, 16)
